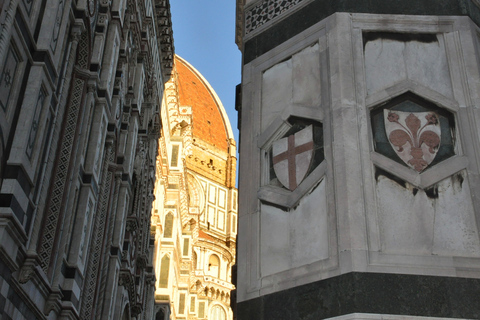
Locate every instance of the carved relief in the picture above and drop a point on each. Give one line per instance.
(7, 77)
(32, 136)
(415, 136)
(305, 167)
(413, 132)
(266, 11)
(292, 157)
(58, 23)
(92, 5)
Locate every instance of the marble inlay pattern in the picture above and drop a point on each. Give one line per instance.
(266, 11)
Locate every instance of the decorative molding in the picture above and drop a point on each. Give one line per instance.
(127, 280)
(54, 303)
(163, 20)
(275, 194)
(265, 11)
(440, 170)
(28, 270)
(54, 213)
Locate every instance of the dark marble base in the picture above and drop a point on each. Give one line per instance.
(376, 293)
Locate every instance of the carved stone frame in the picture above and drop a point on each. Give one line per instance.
(277, 195)
(437, 172)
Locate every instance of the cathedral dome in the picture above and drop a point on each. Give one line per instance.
(210, 121)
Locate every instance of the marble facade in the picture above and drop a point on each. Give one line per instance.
(365, 235)
(194, 219)
(81, 83)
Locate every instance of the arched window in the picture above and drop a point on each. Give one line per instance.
(160, 315)
(164, 269)
(217, 313)
(125, 313)
(168, 226)
(194, 260)
(214, 266)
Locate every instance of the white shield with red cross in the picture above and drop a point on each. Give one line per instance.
(292, 157)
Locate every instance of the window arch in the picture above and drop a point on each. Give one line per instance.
(214, 266)
(164, 270)
(168, 233)
(194, 260)
(217, 313)
(160, 315)
(126, 313)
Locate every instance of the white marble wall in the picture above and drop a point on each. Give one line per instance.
(355, 220)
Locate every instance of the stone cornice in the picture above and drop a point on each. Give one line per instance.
(163, 22)
(272, 33)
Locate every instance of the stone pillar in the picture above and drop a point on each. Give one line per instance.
(372, 107)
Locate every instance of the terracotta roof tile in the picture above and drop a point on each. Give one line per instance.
(208, 123)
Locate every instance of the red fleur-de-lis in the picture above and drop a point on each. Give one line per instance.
(415, 135)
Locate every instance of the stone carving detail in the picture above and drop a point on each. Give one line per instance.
(132, 224)
(97, 236)
(60, 176)
(127, 280)
(58, 23)
(292, 157)
(266, 11)
(7, 77)
(28, 6)
(32, 136)
(28, 269)
(92, 5)
(83, 51)
(415, 136)
(142, 261)
(53, 303)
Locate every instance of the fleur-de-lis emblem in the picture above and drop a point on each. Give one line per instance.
(415, 136)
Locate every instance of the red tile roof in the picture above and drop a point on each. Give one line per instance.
(208, 123)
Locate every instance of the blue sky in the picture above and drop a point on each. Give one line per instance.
(204, 35)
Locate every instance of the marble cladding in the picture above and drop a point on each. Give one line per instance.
(265, 11)
(365, 212)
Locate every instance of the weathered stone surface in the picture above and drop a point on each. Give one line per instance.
(392, 57)
(302, 230)
(384, 219)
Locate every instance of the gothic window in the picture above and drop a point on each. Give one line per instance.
(181, 303)
(214, 266)
(164, 270)
(217, 313)
(168, 233)
(160, 315)
(186, 246)
(413, 132)
(201, 310)
(175, 152)
(234, 223)
(192, 304)
(194, 260)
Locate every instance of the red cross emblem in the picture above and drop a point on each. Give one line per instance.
(292, 157)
